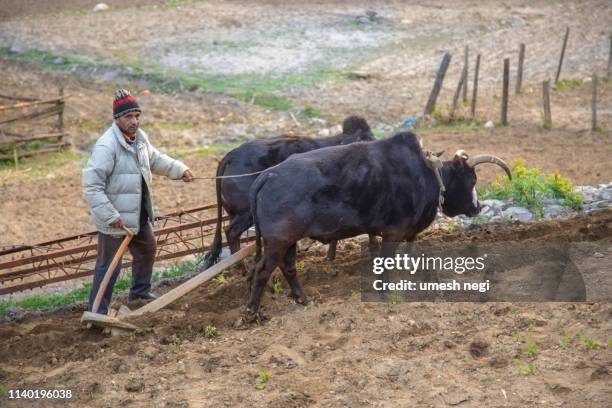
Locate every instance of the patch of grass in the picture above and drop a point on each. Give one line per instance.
(176, 344)
(176, 3)
(567, 83)
(262, 380)
(524, 369)
(3, 390)
(37, 167)
(211, 332)
(269, 101)
(277, 287)
(565, 341)
(396, 298)
(204, 151)
(48, 301)
(259, 89)
(518, 336)
(300, 266)
(93, 126)
(529, 186)
(531, 349)
(451, 227)
(220, 278)
(311, 112)
(379, 133)
(47, 59)
(589, 343)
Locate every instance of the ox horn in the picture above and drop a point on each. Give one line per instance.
(488, 158)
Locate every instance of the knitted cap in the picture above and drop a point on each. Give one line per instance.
(124, 102)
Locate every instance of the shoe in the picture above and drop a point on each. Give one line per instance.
(146, 296)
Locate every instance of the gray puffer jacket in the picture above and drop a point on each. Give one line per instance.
(112, 179)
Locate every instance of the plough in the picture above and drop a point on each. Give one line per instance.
(115, 320)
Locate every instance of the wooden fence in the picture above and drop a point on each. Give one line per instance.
(461, 88)
(15, 145)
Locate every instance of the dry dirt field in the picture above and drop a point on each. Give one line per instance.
(221, 72)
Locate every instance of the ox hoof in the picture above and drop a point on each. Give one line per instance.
(250, 317)
(301, 300)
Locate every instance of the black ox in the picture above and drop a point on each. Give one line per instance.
(386, 188)
(257, 155)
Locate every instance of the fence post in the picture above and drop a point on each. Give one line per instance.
(15, 158)
(594, 105)
(546, 102)
(465, 73)
(60, 113)
(475, 87)
(519, 72)
(609, 71)
(562, 55)
(506, 84)
(433, 96)
(462, 81)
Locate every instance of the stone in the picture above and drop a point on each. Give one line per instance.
(487, 212)
(518, 21)
(518, 213)
(494, 204)
(496, 218)
(553, 211)
(323, 133)
(489, 125)
(149, 352)
(134, 385)
(605, 195)
(59, 61)
(101, 7)
(597, 204)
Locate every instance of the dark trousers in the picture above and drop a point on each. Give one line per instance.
(142, 247)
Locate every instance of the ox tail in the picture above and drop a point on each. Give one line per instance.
(212, 257)
(257, 185)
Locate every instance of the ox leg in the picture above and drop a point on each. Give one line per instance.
(388, 249)
(238, 224)
(290, 274)
(331, 252)
(273, 257)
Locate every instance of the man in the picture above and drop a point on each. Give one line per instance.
(117, 187)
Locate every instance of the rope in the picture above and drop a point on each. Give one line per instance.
(236, 175)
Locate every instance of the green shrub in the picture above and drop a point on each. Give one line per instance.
(529, 186)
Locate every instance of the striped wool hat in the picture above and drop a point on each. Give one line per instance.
(124, 102)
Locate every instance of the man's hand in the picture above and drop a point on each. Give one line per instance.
(118, 223)
(187, 176)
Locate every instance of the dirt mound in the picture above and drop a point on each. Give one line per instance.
(337, 350)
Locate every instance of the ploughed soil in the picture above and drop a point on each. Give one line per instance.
(338, 350)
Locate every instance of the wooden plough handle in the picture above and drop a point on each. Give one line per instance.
(111, 268)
